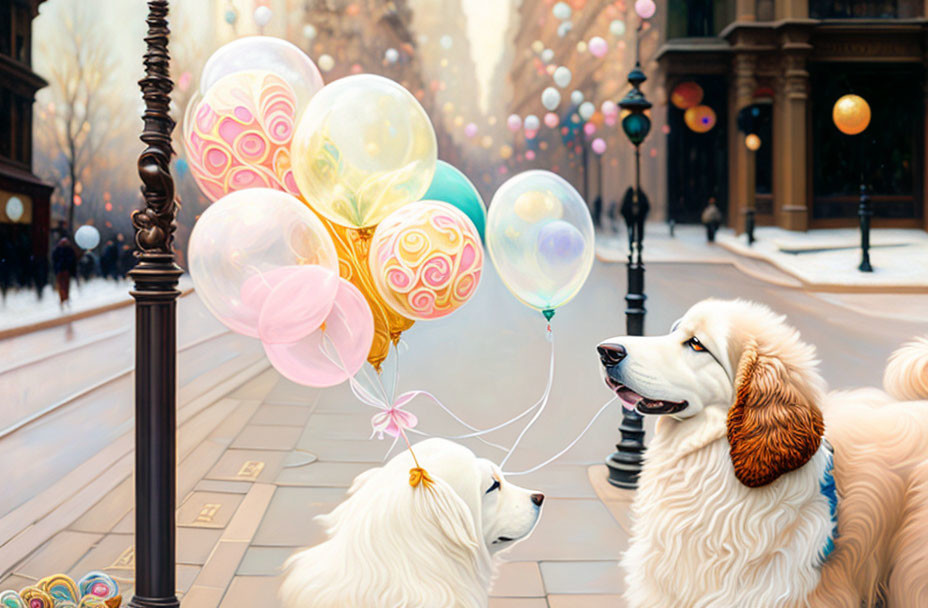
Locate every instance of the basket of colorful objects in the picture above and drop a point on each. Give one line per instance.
(94, 590)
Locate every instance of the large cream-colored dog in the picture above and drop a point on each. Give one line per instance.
(392, 545)
(735, 502)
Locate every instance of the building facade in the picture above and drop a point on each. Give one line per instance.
(24, 198)
(788, 61)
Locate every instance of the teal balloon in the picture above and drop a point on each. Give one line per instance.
(451, 186)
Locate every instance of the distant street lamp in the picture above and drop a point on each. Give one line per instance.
(625, 464)
(851, 114)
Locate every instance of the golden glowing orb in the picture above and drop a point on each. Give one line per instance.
(851, 114)
(752, 142)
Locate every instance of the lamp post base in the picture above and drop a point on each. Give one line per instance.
(865, 212)
(154, 602)
(625, 464)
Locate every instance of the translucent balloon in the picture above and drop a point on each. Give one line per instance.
(645, 8)
(561, 11)
(617, 28)
(309, 31)
(326, 62)
(363, 149)
(531, 123)
(550, 98)
(263, 16)
(239, 246)
(576, 97)
(586, 110)
(238, 135)
(446, 42)
(334, 352)
(87, 237)
(540, 238)
(562, 76)
(391, 55)
(598, 145)
(547, 55)
(609, 108)
(470, 130)
(598, 46)
(426, 260)
(514, 122)
(268, 54)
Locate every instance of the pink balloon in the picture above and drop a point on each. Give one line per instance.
(514, 122)
(529, 155)
(589, 128)
(470, 130)
(598, 46)
(530, 134)
(610, 108)
(645, 8)
(611, 120)
(298, 304)
(598, 145)
(333, 353)
(551, 120)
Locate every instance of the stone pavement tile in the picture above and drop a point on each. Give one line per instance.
(618, 501)
(586, 601)
(247, 465)
(196, 465)
(266, 437)
(339, 426)
(287, 392)
(517, 602)
(222, 564)
(324, 474)
(282, 415)
(126, 525)
(582, 577)
(559, 481)
(366, 450)
(15, 582)
(58, 555)
(208, 509)
(226, 487)
(258, 387)
(184, 577)
(264, 561)
(572, 529)
(233, 424)
(251, 591)
(111, 551)
(202, 597)
(195, 544)
(518, 579)
(288, 521)
(249, 515)
(105, 514)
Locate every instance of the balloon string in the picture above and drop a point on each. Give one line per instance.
(542, 404)
(569, 445)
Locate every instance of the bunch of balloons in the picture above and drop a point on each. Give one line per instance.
(334, 227)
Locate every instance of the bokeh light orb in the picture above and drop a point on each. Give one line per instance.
(700, 119)
(752, 142)
(851, 114)
(686, 95)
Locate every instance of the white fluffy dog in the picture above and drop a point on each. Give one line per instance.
(741, 503)
(392, 545)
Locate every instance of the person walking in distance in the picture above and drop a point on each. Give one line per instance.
(64, 262)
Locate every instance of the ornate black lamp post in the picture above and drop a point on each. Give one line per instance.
(155, 295)
(625, 464)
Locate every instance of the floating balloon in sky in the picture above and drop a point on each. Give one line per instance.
(598, 46)
(531, 123)
(309, 31)
(363, 149)
(453, 187)
(540, 238)
(547, 55)
(551, 120)
(446, 41)
(581, 47)
(326, 62)
(617, 28)
(391, 55)
(645, 8)
(263, 16)
(514, 122)
(589, 128)
(598, 145)
(87, 237)
(538, 46)
(686, 95)
(550, 98)
(265, 53)
(586, 110)
(470, 130)
(564, 29)
(562, 76)
(561, 11)
(700, 119)
(576, 98)
(851, 114)
(14, 208)
(609, 108)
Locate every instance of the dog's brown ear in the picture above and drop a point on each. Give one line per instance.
(772, 427)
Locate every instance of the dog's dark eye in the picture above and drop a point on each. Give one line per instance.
(695, 344)
(495, 486)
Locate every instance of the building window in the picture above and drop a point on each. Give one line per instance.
(6, 123)
(6, 27)
(886, 156)
(22, 33)
(864, 9)
(698, 18)
(22, 150)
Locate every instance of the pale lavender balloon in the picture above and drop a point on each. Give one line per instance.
(560, 244)
(514, 122)
(329, 355)
(298, 304)
(645, 8)
(598, 46)
(470, 130)
(599, 145)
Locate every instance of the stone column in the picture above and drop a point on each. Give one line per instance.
(792, 9)
(746, 10)
(740, 160)
(791, 204)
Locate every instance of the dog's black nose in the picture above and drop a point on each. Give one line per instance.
(537, 499)
(611, 354)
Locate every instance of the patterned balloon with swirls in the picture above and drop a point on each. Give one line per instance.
(238, 135)
(426, 259)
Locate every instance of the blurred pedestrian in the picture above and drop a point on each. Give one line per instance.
(597, 210)
(87, 265)
(109, 260)
(613, 214)
(39, 265)
(64, 263)
(711, 219)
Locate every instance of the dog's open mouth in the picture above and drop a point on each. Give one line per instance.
(633, 401)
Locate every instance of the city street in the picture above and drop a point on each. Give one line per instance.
(259, 456)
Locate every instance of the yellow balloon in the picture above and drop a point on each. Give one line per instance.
(363, 149)
(752, 142)
(505, 151)
(851, 114)
(536, 205)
